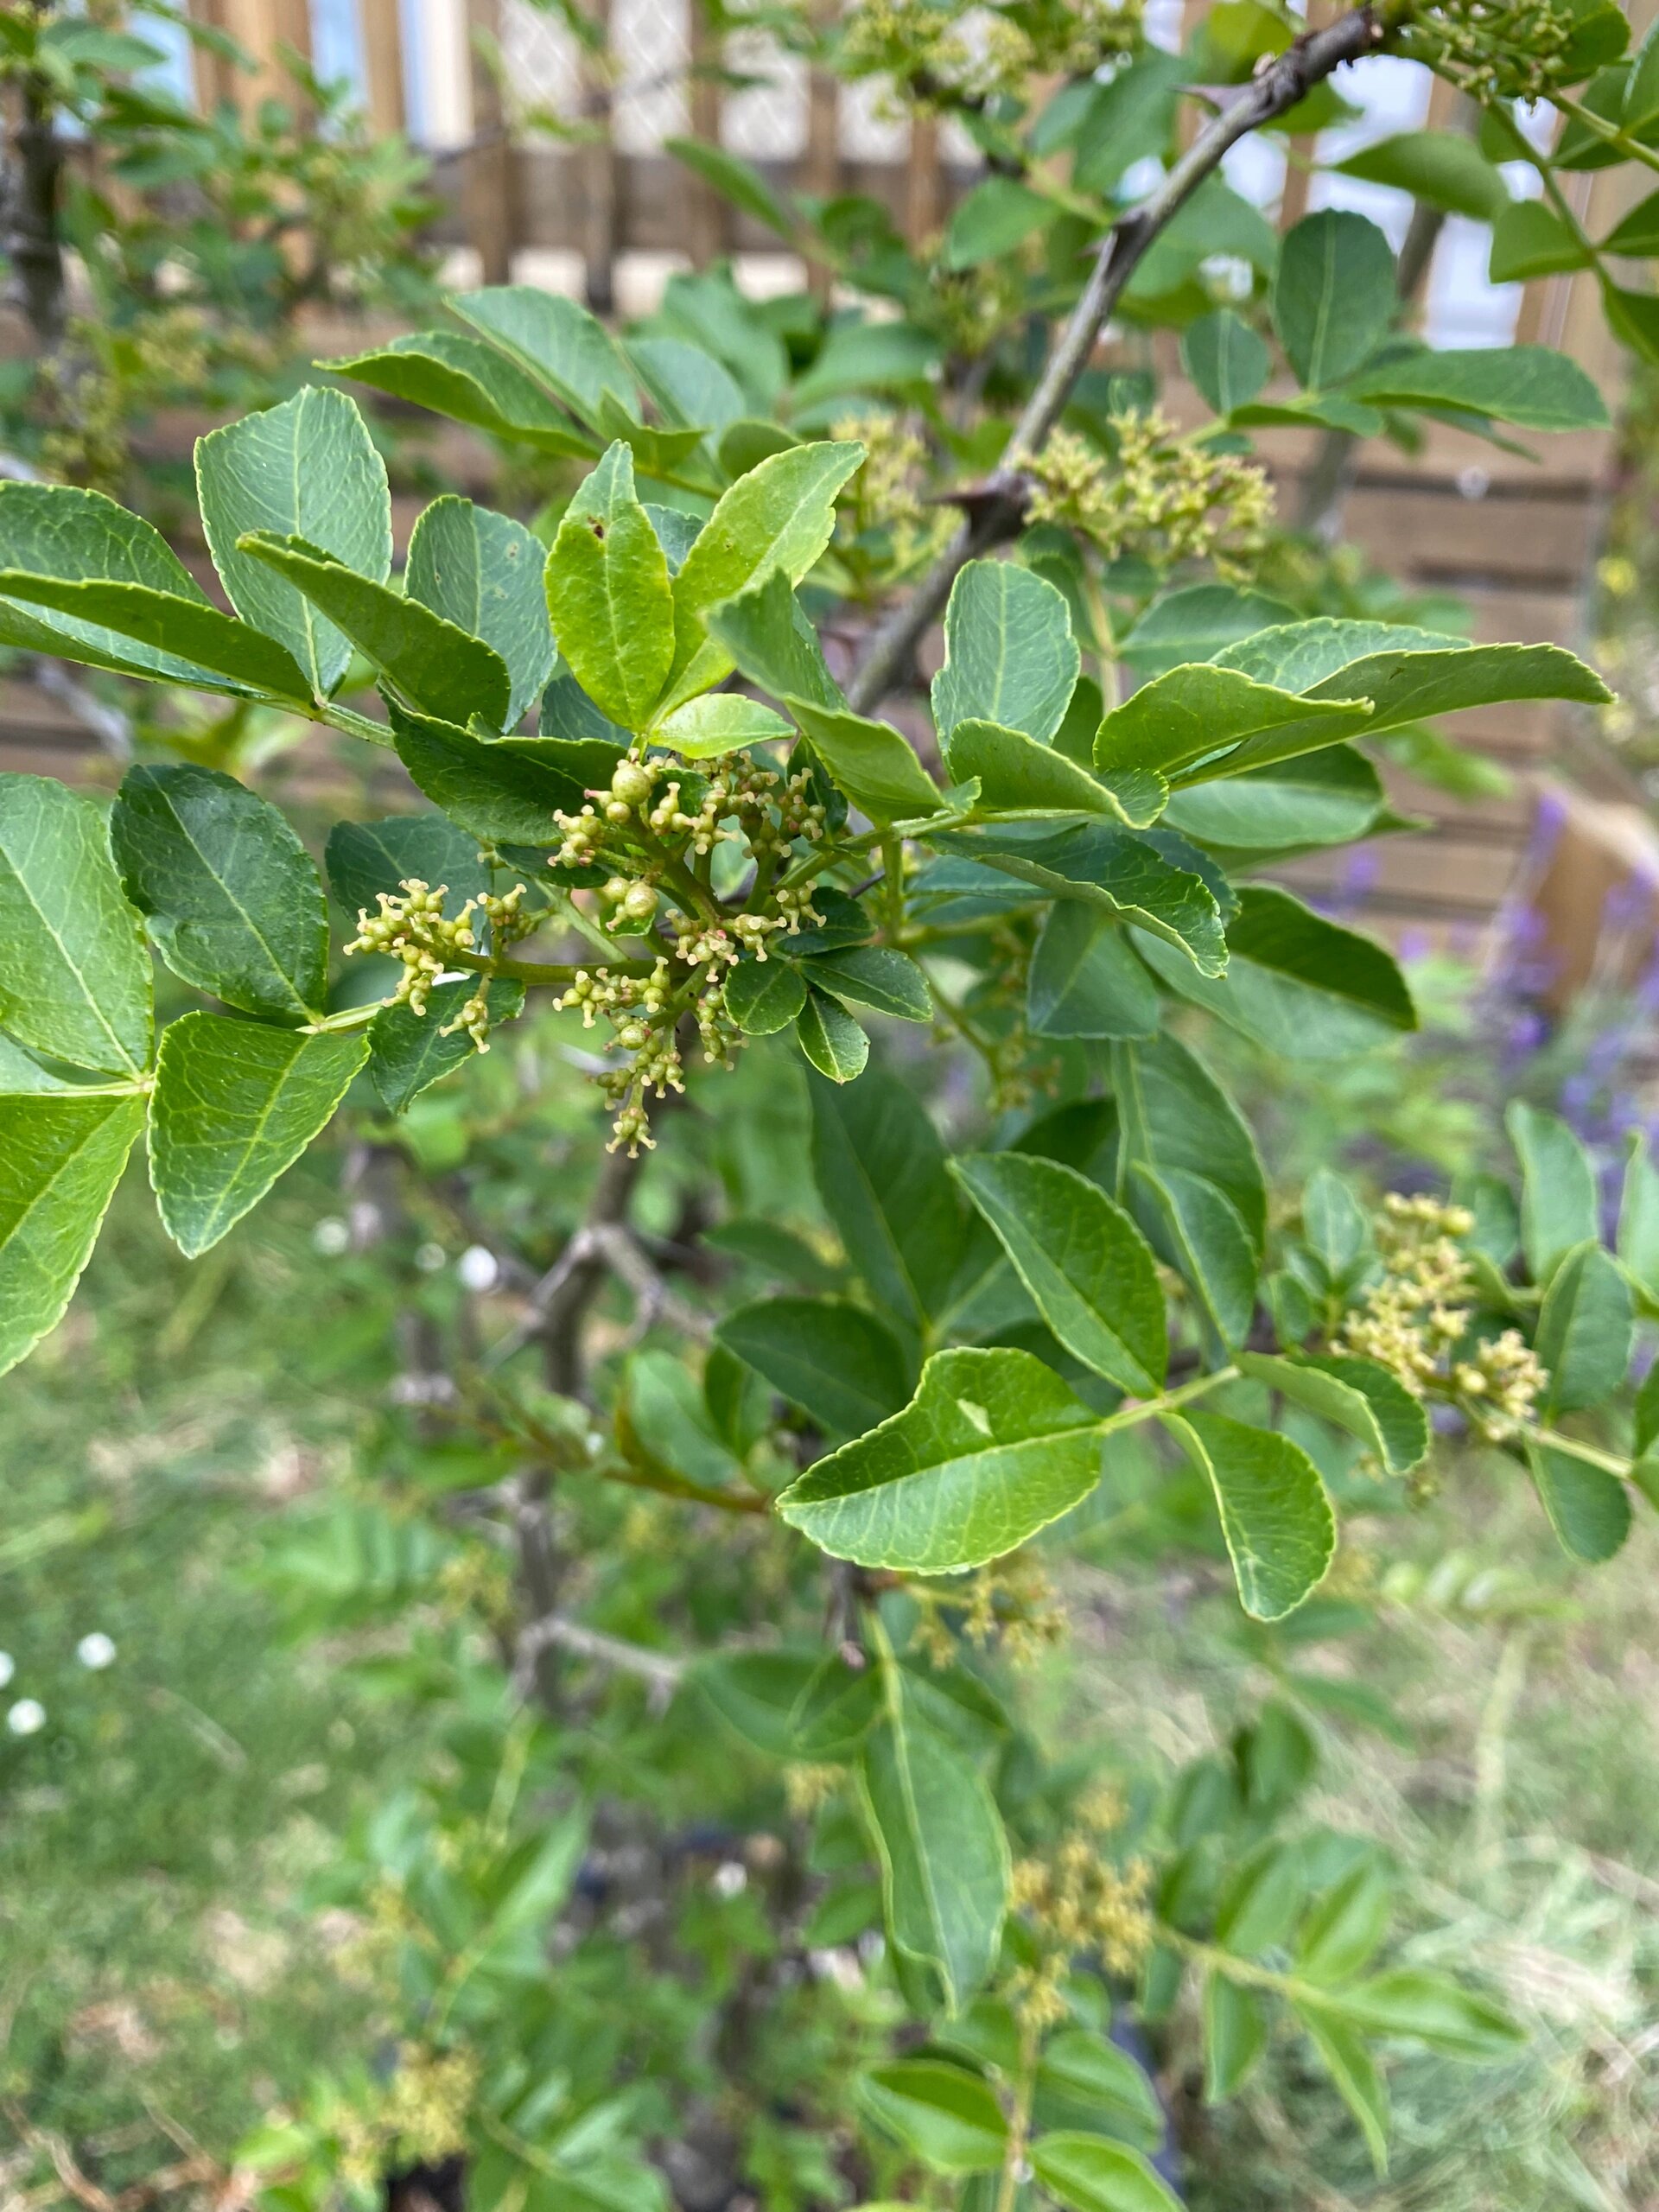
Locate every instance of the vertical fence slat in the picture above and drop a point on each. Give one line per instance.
(708, 225)
(601, 211)
(382, 67)
(924, 180)
(489, 200)
(820, 170)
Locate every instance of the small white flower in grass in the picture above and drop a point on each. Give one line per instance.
(8, 1667)
(478, 1268)
(730, 1879)
(96, 1650)
(331, 1237)
(27, 1717)
(429, 1258)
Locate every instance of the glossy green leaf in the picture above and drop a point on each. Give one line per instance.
(1176, 1116)
(308, 470)
(1305, 987)
(1358, 1396)
(1443, 169)
(688, 383)
(1009, 655)
(1530, 239)
(235, 903)
(1331, 798)
(763, 997)
(1084, 2080)
(735, 179)
(234, 1106)
(557, 343)
(60, 1159)
(1346, 2058)
(482, 572)
(874, 977)
(500, 793)
(1090, 2173)
(435, 667)
(470, 382)
(947, 2117)
(806, 1706)
(834, 1044)
(408, 1052)
(1235, 2036)
(1532, 387)
(772, 642)
(1084, 1261)
(365, 858)
(609, 595)
(1183, 717)
(1559, 1202)
(939, 1839)
(1085, 979)
(876, 767)
(1589, 1509)
(75, 980)
(841, 1365)
(1281, 1533)
(1346, 1926)
(1226, 360)
(1585, 1329)
(720, 721)
(1016, 771)
(879, 1168)
(1261, 1900)
(1196, 1227)
(1334, 296)
(781, 516)
(165, 628)
(1195, 622)
(992, 1448)
(1110, 867)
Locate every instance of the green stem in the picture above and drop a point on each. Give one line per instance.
(892, 887)
(1165, 1401)
(1609, 133)
(1609, 1462)
(547, 973)
(1245, 1972)
(1014, 2156)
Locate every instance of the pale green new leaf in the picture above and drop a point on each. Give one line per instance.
(234, 1105)
(772, 641)
(482, 571)
(235, 903)
(1085, 1263)
(75, 978)
(720, 721)
(992, 1448)
(949, 2118)
(609, 595)
(60, 1159)
(872, 763)
(938, 1836)
(1276, 1517)
(1559, 1208)
(1090, 2173)
(1085, 980)
(309, 469)
(840, 1364)
(1357, 1395)
(1585, 1331)
(433, 665)
(1182, 718)
(781, 515)
(1009, 655)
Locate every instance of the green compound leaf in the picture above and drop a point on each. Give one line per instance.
(992, 1447)
(938, 1836)
(1083, 2080)
(1009, 655)
(82, 548)
(780, 516)
(1085, 979)
(60, 1159)
(242, 658)
(1443, 169)
(1185, 716)
(1197, 621)
(1431, 2009)
(1585, 1331)
(1109, 868)
(879, 1168)
(995, 217)
(772, 641)
(763, 997)
(1085, 1263)
(365, 858)
(1015, 770)
(1638, 1222)
(1334, 296)
(1274, 1514)
(435, 667)
(1532, 387)
(609, 596)
(483, 572)
(1358, 1396)
(871, 762)
(1559, 1208)
(469, 382)
(234, 900)
(1589, 1509)
(1304, 987)
(720, 721)
(873, 976)
(309, 469)
(831, 1039)
(799, 1706)
(840, 1364)
(75, 980)
(945, 2116)
(1090, 2173)
(1346, 1927)
(408, 1052)
(503, 793)
(234, 1105)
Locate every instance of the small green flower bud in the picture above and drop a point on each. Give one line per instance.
(631, 785)
(639, 901)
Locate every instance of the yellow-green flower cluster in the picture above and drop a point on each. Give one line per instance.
(1415, 1316)
(1011, 1603)
(1078, 1903)
(936, 63)
(412, 927)
(1496, 49)
(1166, 498)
